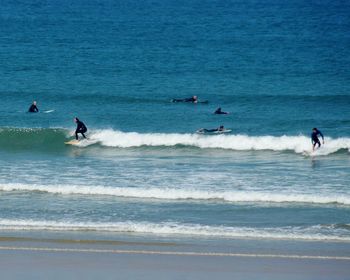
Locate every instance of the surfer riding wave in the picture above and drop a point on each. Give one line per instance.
(314, 138)
(81, 128)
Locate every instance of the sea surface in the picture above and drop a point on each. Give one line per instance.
(279, 67)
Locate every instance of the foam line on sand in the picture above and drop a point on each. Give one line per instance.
(172, 253)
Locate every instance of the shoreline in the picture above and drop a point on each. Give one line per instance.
(171, 253)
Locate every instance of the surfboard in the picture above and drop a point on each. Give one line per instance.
(223, 131)
(214, 132)
(48, 111)
(72, 142)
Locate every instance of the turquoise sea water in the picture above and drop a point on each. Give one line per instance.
(278, 68)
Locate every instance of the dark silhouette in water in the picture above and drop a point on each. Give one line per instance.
(33, 108)
(81, 128)
(220, 112)
(314, 138)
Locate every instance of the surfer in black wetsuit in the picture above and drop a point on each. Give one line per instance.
(81, 128)
(219, 112)
(314, 138)
(193, 99)
(204, 130)
(33, 108)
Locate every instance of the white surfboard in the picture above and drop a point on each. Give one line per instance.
(83, 142)
(222, 131)
(48, 111)
(72, 142)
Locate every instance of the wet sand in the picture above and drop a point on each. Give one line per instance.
(30, 258)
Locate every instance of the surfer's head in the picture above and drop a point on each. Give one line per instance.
(314, 129)
(221, 127)
(76, 119)
(34, 102)
(195, 97)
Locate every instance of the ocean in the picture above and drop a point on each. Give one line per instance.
(280, 68)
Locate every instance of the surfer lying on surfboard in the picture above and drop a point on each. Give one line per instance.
(81, 128)
(221, 128)
(193, 99)
(314, 138)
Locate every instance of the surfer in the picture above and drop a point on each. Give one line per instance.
(314, 138)
(81, 128)
(220, 112)
(33, 108)
(204, 130)
(193, 99)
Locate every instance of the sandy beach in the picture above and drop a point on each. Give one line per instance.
(32, 258)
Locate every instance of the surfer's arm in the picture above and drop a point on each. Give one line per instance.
(319, 132)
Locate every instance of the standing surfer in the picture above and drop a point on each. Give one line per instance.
(314, 138)
(81, 128)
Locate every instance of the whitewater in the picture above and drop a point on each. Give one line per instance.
(165, 193)
(298, 144)
(316, 233)
(54, 137)
(182, 185)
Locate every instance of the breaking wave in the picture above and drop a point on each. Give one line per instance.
(298, 144)
(185, 194)
(53, 139)
(315, 232)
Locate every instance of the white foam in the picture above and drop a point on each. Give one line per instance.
(298, 144)
(316, 232)
(184, 194)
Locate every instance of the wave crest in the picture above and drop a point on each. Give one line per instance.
(315, 232)
(185, 194)
(298, 144)
(52, 139)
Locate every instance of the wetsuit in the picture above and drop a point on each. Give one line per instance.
(314, 138)
(211, 130)
(33, 109)
(81, 128)
(191, 99)
(219, 112)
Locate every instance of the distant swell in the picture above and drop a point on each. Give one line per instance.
(317, 232)
(52, 139)
(185, 194)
